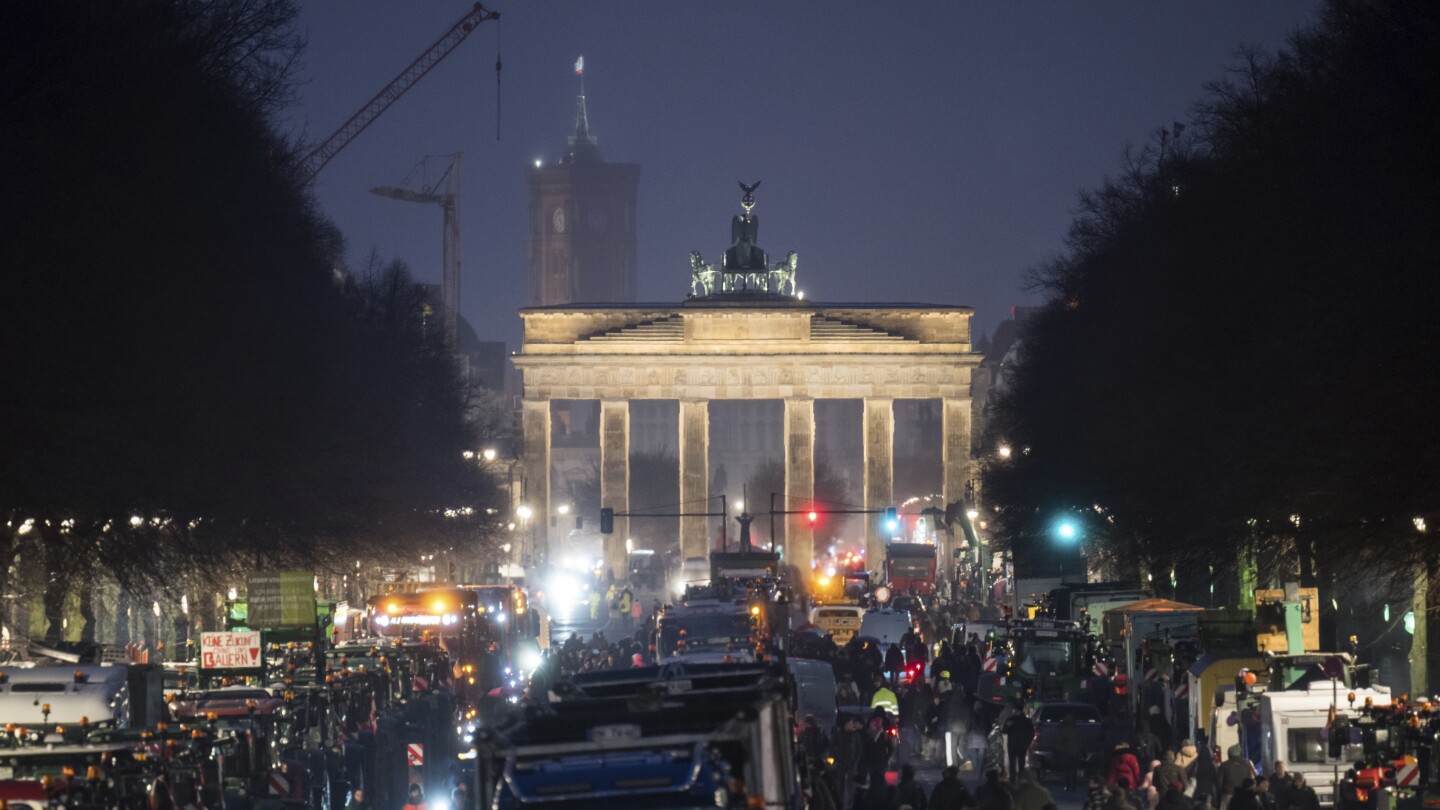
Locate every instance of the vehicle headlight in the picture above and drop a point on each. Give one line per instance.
(529, 659)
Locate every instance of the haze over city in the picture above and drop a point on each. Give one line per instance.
(749, 406)
(910, 152)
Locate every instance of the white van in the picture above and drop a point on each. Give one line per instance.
(886, 627)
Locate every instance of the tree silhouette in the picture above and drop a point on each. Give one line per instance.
(1236, 359)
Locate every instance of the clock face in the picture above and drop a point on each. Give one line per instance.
(558, 220)
(599, 220)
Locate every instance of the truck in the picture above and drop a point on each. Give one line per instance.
(647, 569)
(713, 627)
(1290, 716)
(105, 695)
(910, 568)
(1295, 725)
(840, 622)
(1082, 601)
(744, 565)
(669, 736)
(1039, 659)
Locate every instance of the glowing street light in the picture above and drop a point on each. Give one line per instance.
(739, 506)
(972, 513)
(564, 509)
(488, 454)
(1004, 451)
(1067, 530)
(524, 511)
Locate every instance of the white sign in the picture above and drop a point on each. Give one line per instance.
(236, 650)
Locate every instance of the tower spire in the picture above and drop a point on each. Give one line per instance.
(583, 145)
(582, 124)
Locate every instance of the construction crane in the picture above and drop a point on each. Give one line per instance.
(320, 155)
(444, 192)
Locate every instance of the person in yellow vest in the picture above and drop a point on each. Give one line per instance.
(884, 698)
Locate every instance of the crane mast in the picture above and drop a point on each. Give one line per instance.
(444, 192)
(388, 95)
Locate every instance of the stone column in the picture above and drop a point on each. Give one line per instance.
(955, 469)
(615, 479)
(799, 482)
(535, 425)
(694, 476)
(879, 440)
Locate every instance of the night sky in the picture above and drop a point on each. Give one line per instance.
(919, 151)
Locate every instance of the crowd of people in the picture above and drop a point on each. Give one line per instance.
(1188, 777)
(902, 705)
(577, 655)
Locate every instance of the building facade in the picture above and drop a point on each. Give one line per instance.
(745, 334)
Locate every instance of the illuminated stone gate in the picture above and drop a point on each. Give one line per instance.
(745, 333)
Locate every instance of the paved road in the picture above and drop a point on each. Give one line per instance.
(928, 774)
(575, 618)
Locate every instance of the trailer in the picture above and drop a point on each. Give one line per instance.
(675, 735)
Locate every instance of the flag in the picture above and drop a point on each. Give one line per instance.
(580, 66)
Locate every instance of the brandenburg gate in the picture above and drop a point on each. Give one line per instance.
(745, 333)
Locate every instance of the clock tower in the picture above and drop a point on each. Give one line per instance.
(582, 224)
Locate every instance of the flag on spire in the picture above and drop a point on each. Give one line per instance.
(580, 66)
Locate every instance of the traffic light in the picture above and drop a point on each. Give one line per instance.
(607, 521)
(812, 517)
(892, 519)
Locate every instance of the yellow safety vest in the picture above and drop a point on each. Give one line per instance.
(886, 699)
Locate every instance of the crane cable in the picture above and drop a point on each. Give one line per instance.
(497, 80)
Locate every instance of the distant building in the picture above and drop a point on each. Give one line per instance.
(1002, 354)
(582, 224)
(481, 361)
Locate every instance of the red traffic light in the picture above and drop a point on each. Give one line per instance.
(813, 517)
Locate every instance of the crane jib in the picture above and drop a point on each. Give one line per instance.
(321, 155)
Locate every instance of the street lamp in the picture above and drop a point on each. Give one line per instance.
(1004, 451)
(1067, 531)
(488, 454)
(524, 511)
(564, 509)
